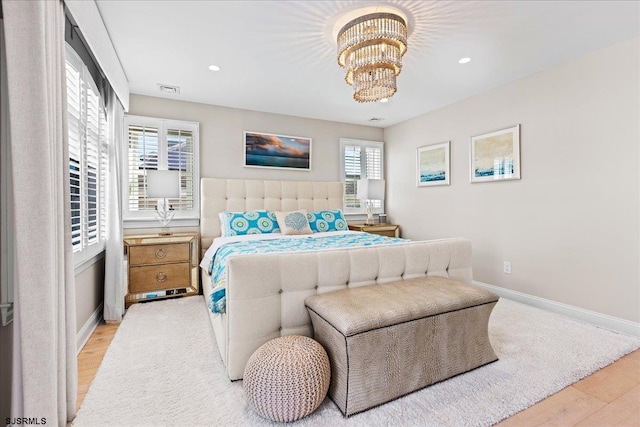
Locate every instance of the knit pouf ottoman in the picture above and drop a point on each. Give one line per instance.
(287, 378)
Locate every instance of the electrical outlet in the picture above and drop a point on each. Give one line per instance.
(507, 267)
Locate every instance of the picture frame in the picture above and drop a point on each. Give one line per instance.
(433, 164)
(273, 151)
(495, 156)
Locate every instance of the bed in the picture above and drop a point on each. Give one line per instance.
(265, 292)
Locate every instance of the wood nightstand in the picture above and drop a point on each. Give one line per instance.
(389, 230)
(160, 267)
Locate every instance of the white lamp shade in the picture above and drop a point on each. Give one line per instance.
(370, 189)
(163, 184)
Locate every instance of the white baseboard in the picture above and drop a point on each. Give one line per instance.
(87, 329)
(602, 320)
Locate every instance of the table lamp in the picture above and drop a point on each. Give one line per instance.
(369, 190)
(163, 185)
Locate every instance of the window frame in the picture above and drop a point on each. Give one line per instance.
(147, 218)
(344, 142)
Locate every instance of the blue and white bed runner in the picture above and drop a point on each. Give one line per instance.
(218, 266)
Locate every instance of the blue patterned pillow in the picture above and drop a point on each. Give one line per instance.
(253, 222)
(333, 220)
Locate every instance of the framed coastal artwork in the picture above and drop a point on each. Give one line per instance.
(495, 156)
(267, 150)
(433, 164)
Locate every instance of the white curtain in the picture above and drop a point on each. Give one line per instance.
(114, 270)
(44, 378)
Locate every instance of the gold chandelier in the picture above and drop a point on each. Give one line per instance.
(370, 49)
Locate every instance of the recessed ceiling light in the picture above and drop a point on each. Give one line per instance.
(384, 100)
(464, 60)
(214, 68)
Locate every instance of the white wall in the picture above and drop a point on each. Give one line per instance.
(221, 137)
(570, 226)
(221, 140)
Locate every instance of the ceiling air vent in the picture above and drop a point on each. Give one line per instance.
(375, 119)
(174, 90)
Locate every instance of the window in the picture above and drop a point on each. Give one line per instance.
(6, 200)
(160, 144)
(88, 160)
(360, 159)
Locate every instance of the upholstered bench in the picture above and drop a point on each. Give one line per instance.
(388, 340)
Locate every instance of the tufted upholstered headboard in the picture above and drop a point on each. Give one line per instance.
(239, 195)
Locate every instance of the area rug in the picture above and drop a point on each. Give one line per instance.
(163, 369)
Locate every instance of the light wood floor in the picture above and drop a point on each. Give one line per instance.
(609, 397)
(91, 356)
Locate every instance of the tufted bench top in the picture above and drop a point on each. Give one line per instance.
(358, 310)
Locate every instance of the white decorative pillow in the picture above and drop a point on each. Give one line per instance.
(294, 222)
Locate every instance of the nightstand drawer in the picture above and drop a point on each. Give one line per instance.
(159, 277)
(388, 233)
(389, 230)
(158, 254)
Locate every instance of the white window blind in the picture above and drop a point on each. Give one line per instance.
(143, 155)
(154, 144)
(360, 159)
(180, 157)
(88, 160)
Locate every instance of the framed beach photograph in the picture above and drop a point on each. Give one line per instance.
(495, 156)
(266, 150)
(433, 164)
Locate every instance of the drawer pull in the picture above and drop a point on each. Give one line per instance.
(161, 253)
(161, 277)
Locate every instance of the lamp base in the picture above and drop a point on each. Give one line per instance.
(164, 214)
(370, 220)
(369, 210)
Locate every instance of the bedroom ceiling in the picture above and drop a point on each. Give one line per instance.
(279, 56)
